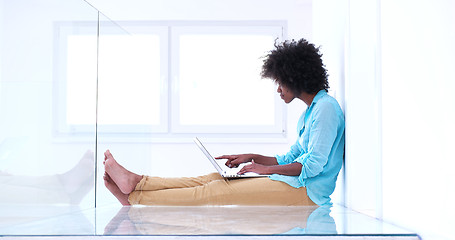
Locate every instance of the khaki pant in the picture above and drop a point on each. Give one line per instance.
(213, 189)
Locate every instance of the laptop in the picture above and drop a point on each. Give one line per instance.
(223, 170)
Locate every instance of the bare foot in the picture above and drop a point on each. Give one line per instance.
(124, 179)
(113, 188)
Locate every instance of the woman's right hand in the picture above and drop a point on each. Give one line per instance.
(236, 159)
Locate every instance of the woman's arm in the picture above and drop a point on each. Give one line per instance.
(291, 169)
(235, 160)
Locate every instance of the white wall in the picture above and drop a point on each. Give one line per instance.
(362, 103)
(418, 82)
(400, 111)
(347, 32)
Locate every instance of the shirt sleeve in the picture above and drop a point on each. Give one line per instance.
(290, 156)
(322, 135)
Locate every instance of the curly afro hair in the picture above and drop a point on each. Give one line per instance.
(296, 65)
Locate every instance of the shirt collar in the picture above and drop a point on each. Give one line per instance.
(318, 96)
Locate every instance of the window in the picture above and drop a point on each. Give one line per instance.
(218, 86)
(75, 76)
(132, 75)
(170, 79)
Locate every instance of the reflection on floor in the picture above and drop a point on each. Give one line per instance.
(227, 222)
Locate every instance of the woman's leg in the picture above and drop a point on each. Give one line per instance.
(127, 181)
(148, 183)
(247, 191)
(120, 182)
(211, 189)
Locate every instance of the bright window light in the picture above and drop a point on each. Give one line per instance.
(220, 80)
(81, 79)
(129, 90)
(168, 79)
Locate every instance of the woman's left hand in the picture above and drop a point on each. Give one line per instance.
(255, 167)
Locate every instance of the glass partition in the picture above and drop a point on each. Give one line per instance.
(43, 159)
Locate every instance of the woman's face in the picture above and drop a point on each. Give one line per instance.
(285, 94)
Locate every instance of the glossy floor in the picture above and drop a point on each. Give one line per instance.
(17, 221)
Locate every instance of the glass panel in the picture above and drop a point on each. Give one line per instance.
(39, 163)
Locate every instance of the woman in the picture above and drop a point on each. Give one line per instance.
(306, 175)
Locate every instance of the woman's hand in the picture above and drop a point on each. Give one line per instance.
(255, 167)
(235, 160)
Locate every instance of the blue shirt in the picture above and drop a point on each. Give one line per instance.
(319, 148)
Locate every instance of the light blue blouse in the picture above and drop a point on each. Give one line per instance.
(319, 148)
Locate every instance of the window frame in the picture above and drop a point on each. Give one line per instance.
(170, 127)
